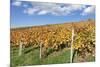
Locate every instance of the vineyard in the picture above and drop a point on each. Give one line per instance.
(50, 44)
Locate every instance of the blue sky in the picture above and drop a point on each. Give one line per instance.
(37, 13)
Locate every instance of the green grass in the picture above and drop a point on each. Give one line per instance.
(30, 56)
(27, 58)
(57, 57)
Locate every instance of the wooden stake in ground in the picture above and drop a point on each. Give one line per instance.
(71, 50)
(40, 50)
(20, 48)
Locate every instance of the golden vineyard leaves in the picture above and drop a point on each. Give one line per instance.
(56, 36)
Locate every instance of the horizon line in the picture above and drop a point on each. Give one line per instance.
(50, 24)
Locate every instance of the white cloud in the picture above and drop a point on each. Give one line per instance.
(52, 8)
(30, 11)
(43, 12)
(17, 3)
(89, 10)
(77, 7)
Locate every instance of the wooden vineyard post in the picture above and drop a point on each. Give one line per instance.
(76, 55)
(20, 48)
(71, 50)
(40, 50)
